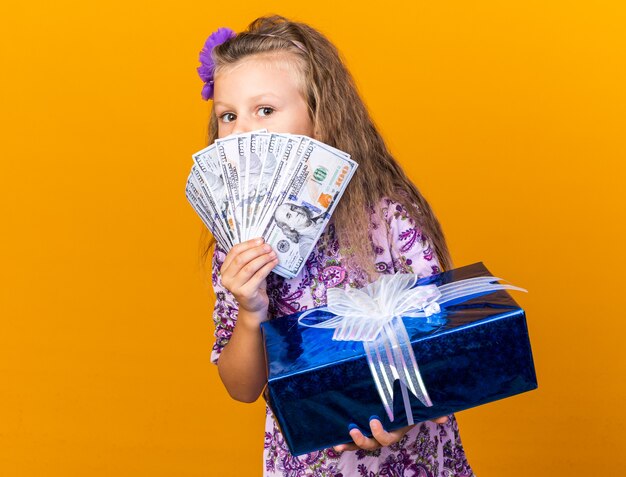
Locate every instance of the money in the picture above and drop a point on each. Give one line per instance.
(286, 150)
(281, 187)
(216, 195)
(232, 159)
(269, 159)
(259, 169)
(316, 184)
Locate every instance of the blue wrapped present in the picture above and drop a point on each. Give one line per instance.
(406, 351)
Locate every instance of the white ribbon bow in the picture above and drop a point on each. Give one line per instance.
(373, 315)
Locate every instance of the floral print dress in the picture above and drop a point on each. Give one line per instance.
(428, 449)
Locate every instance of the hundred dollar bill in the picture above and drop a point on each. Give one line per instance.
(317, 183)
(287, 159)
(269, 180)
(257, 177)
(200, 184)
(231, 152)
(197, 201)
(292, 159)
(216, 194)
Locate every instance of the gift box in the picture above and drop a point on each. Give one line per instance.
(471, 349)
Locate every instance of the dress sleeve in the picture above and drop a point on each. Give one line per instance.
(410, 250)
(226, 307)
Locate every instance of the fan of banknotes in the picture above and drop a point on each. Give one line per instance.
(280, 187)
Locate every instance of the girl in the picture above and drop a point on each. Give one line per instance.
(286, 77)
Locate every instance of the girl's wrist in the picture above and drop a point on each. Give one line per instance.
(252, 319)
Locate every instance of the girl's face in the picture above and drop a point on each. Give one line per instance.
(261, 93)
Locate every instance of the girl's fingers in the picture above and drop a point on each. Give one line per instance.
(239, 249)
(387, 438)
(242, 257)
(363, 442)
(380, 437)
(256, 280)
(345, 447)
(250, 276)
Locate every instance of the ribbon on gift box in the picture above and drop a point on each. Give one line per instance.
(373, 316)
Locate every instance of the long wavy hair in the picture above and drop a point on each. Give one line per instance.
(341, 120)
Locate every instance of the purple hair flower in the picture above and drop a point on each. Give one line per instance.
(207, 65)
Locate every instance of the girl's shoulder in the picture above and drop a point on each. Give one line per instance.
(399, 242)
(393, 213)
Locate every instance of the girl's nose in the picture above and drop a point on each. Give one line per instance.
(242, 125)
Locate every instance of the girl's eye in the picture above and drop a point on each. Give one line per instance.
(228, 117)
(265, 111)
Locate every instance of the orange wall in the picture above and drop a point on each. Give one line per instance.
(508, 115)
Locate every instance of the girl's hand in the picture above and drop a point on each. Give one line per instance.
(380, 437)
(244, 271)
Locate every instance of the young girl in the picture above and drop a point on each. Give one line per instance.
(286, 77)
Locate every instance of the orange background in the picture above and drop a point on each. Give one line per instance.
(508, 115)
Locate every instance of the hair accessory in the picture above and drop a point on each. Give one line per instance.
(207, 65)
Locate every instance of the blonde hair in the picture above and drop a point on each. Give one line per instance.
(341, 120)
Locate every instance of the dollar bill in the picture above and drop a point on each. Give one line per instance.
(214, 187)
(197, 201)
(285, 149)
(295, 224)
(198, 181)
(254, 179)
(231, 152)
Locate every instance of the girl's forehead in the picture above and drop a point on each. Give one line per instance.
(272, 61)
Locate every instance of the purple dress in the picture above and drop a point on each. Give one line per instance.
(428, 449)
